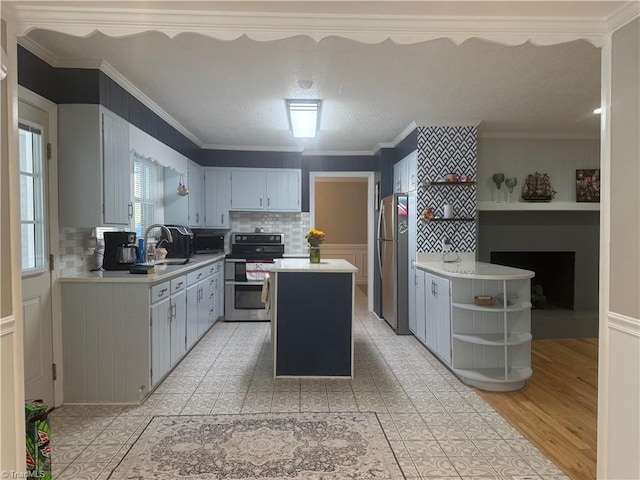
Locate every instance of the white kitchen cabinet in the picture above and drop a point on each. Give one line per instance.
(94, 167)
(421, 306)
(248, 189)
(160, 332)
(283, 190)
(196, 194)
(178, 305)
(276, 190)
(217, 197)
(405, 174)
(433, 314)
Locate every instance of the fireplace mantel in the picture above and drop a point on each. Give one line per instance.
(537, 206)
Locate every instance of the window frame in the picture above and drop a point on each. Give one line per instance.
(157, 202)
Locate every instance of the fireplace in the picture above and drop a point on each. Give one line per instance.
(553, 286)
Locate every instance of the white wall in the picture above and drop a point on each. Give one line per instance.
(619, 355)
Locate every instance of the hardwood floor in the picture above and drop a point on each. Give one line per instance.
(557, 410)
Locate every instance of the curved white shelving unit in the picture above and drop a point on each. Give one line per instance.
(496, 379)
(496, 339)
(484, 206)
(518, 307)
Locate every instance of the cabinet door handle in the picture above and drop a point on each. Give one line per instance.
(197, 217)
(162, 292)
(222, 218)
(268, 201)
(175, 311)
(169, 313)
(179, 285)
(130, 210)
(260, 200)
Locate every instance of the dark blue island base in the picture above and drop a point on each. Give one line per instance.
(314, 324)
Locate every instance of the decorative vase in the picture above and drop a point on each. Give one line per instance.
(314, 254)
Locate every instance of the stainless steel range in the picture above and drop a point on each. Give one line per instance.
(252, 255)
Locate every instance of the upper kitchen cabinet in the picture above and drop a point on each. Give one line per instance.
(275, 190)
(196, 195)
(405, 174)
(217, 197)
(94, 169)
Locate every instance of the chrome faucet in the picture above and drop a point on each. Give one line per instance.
(146, 234)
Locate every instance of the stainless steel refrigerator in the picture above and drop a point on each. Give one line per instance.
(393, 261)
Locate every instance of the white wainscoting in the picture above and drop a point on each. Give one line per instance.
(356, 254)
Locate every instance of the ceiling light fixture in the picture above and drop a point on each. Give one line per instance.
(304, 117)
(598, 111)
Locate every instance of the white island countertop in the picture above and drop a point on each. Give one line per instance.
(475, 270)
(162, 272)
(330, 265)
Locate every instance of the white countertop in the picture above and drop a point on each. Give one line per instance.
(330, 265)
(163, 272)
(475, 270)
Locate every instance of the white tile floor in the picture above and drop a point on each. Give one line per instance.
(437, 427)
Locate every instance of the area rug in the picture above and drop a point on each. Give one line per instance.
(294, 446)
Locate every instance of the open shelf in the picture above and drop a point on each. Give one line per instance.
(428, 183)
(495, 339)
(518, 307)
(484, 206)
(461, 219)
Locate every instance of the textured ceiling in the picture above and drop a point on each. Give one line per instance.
(231, 93)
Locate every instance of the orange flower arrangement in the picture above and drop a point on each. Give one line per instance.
(314, 237)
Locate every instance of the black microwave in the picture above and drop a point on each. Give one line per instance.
(209, 240)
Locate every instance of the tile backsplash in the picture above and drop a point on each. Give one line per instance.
(293, 225)
(72, 257)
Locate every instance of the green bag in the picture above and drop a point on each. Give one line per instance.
(38, 433)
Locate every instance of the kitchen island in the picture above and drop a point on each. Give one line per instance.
(312, 318)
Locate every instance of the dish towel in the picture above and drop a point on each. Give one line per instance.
(257, 270)
(265, 292)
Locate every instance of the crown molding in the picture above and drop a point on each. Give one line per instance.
(625, 14)
(252, 148)
(85, 18)
(38, 50)
(538, 136)
(338, 153)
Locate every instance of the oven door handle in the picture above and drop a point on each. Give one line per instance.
(231, 282)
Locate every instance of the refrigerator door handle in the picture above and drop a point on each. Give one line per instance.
(380, 242)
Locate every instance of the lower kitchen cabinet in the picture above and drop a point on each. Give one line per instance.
(486, 346)
(121, 339)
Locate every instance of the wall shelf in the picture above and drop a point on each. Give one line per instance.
(427, 183)
(462, 219)
(497, 339)
(485, 206)
(518, 307)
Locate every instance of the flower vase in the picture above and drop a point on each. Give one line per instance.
(314, 254)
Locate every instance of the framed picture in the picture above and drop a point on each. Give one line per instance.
(588, 185)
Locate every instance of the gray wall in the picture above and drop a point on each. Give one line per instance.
(548, 231)
(625, 172)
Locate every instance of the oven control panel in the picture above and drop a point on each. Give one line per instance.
(257, 238)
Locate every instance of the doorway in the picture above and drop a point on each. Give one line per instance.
(342, 205)
(36, 117)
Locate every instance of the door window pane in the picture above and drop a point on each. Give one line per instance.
(31, 197)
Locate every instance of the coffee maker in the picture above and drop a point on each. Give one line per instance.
(120, 250)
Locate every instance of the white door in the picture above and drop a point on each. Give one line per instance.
(36, 277)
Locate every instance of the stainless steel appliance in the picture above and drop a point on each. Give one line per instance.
(208, 240)
(181, 245)
(120, 250)
(251, 254)
(393, 261)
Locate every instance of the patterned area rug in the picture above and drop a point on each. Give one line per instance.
(270, 446)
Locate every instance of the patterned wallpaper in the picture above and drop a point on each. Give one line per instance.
(443, 150)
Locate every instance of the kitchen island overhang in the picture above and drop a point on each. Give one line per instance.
(313, 308)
